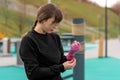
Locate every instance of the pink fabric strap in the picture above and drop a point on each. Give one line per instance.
(73, 50)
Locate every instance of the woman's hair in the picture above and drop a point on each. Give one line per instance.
(48, 11)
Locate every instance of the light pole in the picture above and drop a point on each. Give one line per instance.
(6, 11)
(49, 1)
(106, 27)
(119, 25)
(99, 17)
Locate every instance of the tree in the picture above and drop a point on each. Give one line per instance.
(21, 17)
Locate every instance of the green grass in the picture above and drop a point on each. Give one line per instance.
(93, 15)
(9, 23)
(10, 20)
(35, 2)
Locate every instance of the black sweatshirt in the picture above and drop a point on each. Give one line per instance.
(42, 55)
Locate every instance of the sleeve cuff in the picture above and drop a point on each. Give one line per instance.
(62, 69)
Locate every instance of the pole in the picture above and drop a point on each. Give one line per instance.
(6, 11)
(106, 28)
(99, 16)
(78, 34)
(119, 26)
(49, 1)
(17, 46)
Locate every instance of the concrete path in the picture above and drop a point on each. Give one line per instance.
(7, 61)
(113, 49)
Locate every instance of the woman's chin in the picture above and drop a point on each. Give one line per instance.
(51, 31)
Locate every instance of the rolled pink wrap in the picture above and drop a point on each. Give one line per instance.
(73, 50)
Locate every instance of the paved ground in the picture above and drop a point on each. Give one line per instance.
(113, 50)
(7, 61)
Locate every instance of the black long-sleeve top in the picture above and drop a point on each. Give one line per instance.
(42, 55)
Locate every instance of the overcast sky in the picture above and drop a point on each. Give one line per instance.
(110, 3)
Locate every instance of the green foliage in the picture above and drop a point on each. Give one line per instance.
(35, 2)
(93, 15)
(11, 20)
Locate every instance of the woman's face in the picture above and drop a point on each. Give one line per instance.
(49, 26)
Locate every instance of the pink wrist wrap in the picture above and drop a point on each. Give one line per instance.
(73, 50)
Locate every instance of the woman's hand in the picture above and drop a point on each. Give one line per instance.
(69, 64)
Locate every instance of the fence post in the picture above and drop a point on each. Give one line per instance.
(100, 52)
(19, 61)
(6, 47)
(78, 33)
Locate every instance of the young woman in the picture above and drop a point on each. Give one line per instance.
(41, 49)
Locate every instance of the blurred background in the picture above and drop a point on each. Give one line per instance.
(17, 18)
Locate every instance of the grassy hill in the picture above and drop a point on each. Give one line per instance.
(73, 9)
(15, 24)
(10, 22)
(94, 16)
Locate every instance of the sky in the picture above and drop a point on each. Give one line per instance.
(110, 3)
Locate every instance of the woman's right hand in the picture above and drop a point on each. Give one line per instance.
(69, 64)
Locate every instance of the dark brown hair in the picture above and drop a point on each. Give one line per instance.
(48, 11)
